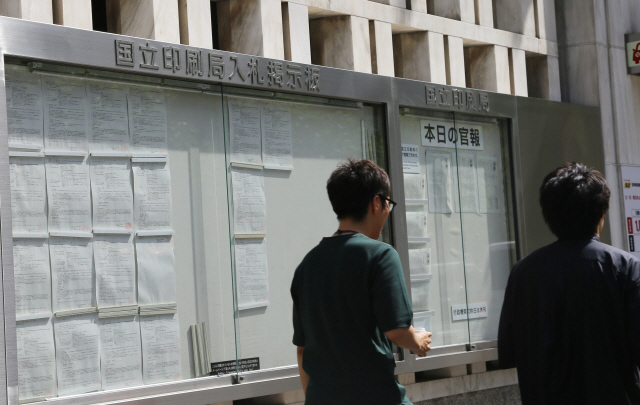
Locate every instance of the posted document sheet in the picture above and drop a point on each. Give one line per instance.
(65, 115)
(160, 348)
(152, 196)
(120, 352)
(252, 276)
(24, 109)
(489, 184)
(439, 181)
(244, 125)
(28, 195)
(249, 202)
(277, 148)
(115, 264)
(32, 277)
(77, 354)
(36, 359)
(147, 120)
(69, 193)
(72, 273)
(156, 270)
(112, 194)
(109, 127)
(466, 190)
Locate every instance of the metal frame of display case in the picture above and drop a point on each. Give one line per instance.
(204, 70)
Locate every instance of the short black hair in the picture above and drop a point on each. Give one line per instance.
(573, 198)
(352, 186)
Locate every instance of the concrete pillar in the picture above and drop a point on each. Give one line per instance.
(394, 3)
(484, 12)
(73, 13)
(545, 12)
(295, 25)
(253, 27)
(195, 23)
(516, 16)
(543, 77)
(419, 6)
(462, 10)
(518, 70)
(488, 68)
(381, 48)
(341, 42)
(420, 56)
(454, 57)
(152, 19)
(34, 10)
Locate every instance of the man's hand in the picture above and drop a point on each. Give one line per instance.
(424, 341)
(407, 338)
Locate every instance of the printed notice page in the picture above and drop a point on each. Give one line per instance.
(36, 359)
(244, 124)
(120, 352)
(72, 273)
(28, 195)
(24, 110)
(147, 120)
(439, 181)
(249, 202)
(252, 275)
(115, 265)
(277, 147)
(465, 183)
(112, 194)
(152, 196)
(65, 115)
(77, 354)
(32, 277)
(108, 124)
(489, 180)
(410, 158)
(156, 270)
(69, 193)
(160, 348)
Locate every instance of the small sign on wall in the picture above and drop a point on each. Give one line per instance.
(473, 311)
(633, 53)
(631, 196)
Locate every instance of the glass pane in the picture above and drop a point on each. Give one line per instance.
(281, 151)
(121, 255)
(484, 200)
(433, 226)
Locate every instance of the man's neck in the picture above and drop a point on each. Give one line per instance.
(349, 224)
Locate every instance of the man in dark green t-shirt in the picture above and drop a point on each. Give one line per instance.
(350, 299)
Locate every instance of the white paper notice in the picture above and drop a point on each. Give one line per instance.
(410, 158)
(249, 202)
(160, 348)
(489, 181)
(115, 264)
(415, 187)
(65, 115)
(28, 195)
(277, 147)
(36, 359)
(156, 270)
(420, 261)
(244, 124)
(108, 124)
(152, 196)
(32, 277)
(252, 275)
(416, 224)
(112, 194)
(120, 352)
(69, 194)
(77, 354)
(439, 181)
(465, 183)
(24, 109)
(72, 273)
(147, 121)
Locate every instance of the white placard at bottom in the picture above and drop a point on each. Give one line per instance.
(473, 311)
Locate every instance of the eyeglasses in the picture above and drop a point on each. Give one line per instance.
(392, 203)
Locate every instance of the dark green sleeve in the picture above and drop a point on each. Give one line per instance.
(298, 332)
(389, 296)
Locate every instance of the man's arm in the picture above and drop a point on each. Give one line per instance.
(304, 377)
(407, 338)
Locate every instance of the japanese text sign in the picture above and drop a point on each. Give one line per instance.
(444, 134)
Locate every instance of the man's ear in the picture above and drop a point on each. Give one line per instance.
(374, 205)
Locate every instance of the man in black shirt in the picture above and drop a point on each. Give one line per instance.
(570, 320)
